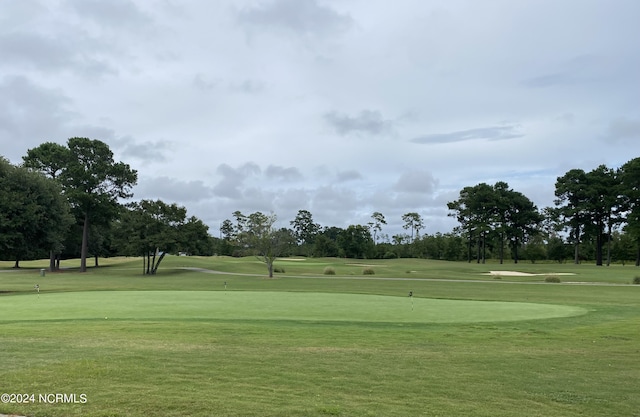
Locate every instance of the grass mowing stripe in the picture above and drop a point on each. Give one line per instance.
(264, 305)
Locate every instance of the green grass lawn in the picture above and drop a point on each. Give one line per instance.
(192, 343)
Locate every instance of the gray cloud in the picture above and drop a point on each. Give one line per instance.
(623, 129)
(112, 13)
(367, 122)
(349, 175)
(146, 151)
(282, 174)
(301, 17)
(200, 82)
(416, 182)
(248, 86)
(15, 14)
(35, 49)
(30, 115)
(334, 203)
(483, 133)
(171, 189)
(76, 52)
(549, 80)
(233, 179)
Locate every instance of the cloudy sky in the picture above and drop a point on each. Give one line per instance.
(339, 107)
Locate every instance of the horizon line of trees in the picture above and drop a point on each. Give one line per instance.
(66, 202)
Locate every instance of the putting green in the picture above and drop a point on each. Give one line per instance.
(251, 305)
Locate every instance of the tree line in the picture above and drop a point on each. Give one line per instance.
(68, 201)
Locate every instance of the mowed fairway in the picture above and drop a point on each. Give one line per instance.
(192, 343)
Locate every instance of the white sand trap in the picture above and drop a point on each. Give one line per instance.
(523, 274)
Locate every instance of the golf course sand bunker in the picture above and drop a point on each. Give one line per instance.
(523, 274)
(250, 305)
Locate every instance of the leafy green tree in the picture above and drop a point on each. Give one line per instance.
(227, 230)
(34, 215)
(550, 227)
(376, 226)
(475, 211)
(151, 229)
(603, 189)
(557, 250)
(623, 248)
(226, 244)
(522, 221)
(194, 238)
(305, 229)
(413, 221)
(535, 250)
(50, 159)
(326, 242)
(92, 181)
(241, 224)
(572, 192)
(356, 241)
(629, 176)
(266, 242)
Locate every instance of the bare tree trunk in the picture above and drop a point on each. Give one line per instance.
(52, 261)
(609, 246)
(599, 244)
(576, 250)
(157, 264)
(484, 247)
(85, 244)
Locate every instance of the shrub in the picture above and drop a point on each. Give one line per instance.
(368, 271)
(390, 255)
(329, 271)
(278, 269)
(551, 278)
(636, 280)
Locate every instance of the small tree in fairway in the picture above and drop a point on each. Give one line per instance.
(266, 242)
